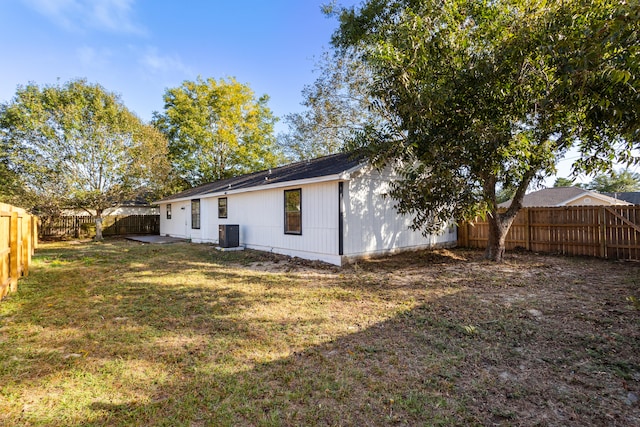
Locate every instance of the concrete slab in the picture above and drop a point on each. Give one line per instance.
(155, 239)
(237, 248)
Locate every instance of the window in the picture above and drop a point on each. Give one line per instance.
(168, 210)
(293, 211)
(195, 214)
(222, 207)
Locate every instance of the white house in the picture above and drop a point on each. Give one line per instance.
(331, 209)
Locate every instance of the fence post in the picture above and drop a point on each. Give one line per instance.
(25, 256)
(602, 219)
(34, 233)
(14, 271)
(527, 228)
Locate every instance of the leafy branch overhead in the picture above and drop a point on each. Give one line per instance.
(486, 96)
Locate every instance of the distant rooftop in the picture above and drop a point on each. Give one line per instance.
(627, 196)
(559, 196)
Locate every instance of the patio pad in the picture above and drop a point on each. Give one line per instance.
(156, 239)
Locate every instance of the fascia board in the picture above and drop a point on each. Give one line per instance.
(592, 194)
(344, 176)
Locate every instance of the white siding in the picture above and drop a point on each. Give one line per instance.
(260, 215)
(372, 225)
(180, 223)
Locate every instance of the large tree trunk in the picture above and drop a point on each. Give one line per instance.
(500, 223)
(98, 225)
(498, 228)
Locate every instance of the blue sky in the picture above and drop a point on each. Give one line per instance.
(138, 48)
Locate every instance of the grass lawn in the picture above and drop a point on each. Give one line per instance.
(121, 333)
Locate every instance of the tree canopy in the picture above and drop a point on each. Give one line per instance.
(485, 96)
(77, 146)
(337, 106)
(615, 182)
(217, 129)
(563, 182)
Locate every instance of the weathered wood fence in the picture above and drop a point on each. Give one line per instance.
(601, 231)
(84, 226)
(18, 240)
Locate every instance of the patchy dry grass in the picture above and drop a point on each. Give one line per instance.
(121, 333)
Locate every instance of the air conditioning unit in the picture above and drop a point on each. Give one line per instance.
(229, 235)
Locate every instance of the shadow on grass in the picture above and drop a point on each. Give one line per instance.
(422, 367)
(175, 337)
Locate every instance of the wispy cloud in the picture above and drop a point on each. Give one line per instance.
(106, 15)
(155, 62)
(93, 58)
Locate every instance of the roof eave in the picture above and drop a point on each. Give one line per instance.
(343, 176)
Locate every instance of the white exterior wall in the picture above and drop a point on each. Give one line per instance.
(260, 215)
(180, 223)
(372, 226)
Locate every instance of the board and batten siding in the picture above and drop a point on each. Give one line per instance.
(372, 226)
(180, 223)
(260, 215)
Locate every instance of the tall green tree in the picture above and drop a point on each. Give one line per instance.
(563, 182)
(615, 182)
(77, 146)
(596, 51)
(217, 129)
(485, 95)
(337, 106)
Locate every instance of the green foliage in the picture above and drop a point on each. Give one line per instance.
(217, 129)
(486, 95)
(615, 182)
(76, 145)
(337, 104)
(563, 182)
(504, 194)
(595, 48)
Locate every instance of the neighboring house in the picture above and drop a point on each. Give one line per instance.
(565, 196)
(139, 206)
(632, 197)
(331, 209)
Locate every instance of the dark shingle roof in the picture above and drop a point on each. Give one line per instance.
(551, 196)
(323, 166)
(627, 196)
(556, 196)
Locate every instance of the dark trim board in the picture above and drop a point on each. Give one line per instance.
(341, 218)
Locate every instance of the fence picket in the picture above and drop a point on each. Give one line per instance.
(77, 226)
(17, 243)
(605, 232)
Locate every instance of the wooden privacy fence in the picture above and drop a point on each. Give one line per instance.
(601, 231)
(18, 240)
(84, 226)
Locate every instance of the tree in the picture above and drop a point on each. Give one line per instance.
(480, 99)
(615, 182)
(217, 129)
(77, 146)
(595, 49)
(563, 182)
(337, 104)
